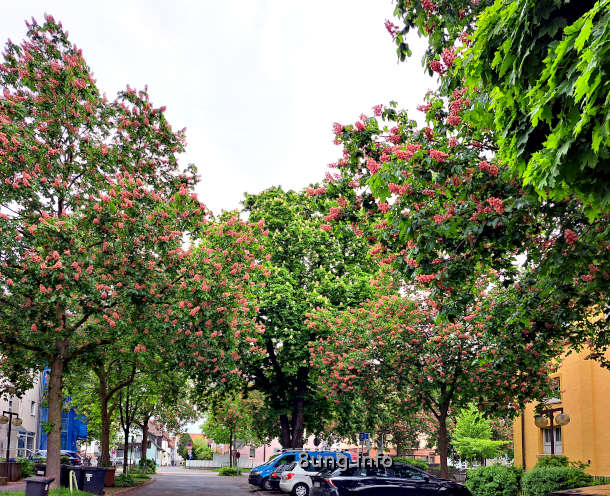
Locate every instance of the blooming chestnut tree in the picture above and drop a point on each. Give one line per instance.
(429, 364)
(453, 212)
(93, 213)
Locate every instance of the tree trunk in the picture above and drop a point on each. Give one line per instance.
(55, 398)
(144, 447)
(231, 448)
(292, 432)
(443, 443)
(105, 439)
(298, 424)
(286, 432)
(126, 450)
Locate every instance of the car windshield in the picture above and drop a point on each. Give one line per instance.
(284, 459)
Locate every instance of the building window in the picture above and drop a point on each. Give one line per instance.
(252, 451)
(546, 439)
(33, 408)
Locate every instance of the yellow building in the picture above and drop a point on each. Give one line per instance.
(583, 392)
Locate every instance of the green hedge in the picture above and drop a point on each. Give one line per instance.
(28, 467)
(495, 480)
(411, 461)
(229, 471)
(553, 461)
(542, 480)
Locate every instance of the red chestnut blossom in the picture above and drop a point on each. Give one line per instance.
(438, 155)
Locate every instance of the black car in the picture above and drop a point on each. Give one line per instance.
(276, 476)
(399, 480)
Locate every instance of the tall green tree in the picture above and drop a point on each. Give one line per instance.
(309, 263)
(471, 437)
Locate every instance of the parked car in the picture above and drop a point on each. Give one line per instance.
(587, 491)
(261, 476)
(74, 457)
(297, 480)
(399, 480)
(274, 478)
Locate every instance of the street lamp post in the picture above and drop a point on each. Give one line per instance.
(7, 417)
(561, 419)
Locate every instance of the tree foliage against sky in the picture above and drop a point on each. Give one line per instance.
(542, 68)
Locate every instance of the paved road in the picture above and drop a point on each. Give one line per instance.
(196, 484)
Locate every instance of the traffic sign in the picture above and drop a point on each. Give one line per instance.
(364, 436)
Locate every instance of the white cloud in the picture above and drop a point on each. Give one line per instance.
(257, 83)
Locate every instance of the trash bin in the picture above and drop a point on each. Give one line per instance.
(38, 486)
(64, 475)
(93, 479)
(41, 469)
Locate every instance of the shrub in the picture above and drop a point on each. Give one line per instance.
(27, 467)
(148, 465)
(541, 480)
(229, 471)
(65, 460)
(124, 480)
(553, 461)
(411, 461)
(495, 480)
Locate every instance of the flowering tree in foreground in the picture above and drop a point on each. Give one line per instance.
(540, 67)
(93, 213)
(453, 213)
(479, 254)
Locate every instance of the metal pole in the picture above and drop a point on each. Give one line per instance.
(10, 426)
(552, 434)
(8, 444)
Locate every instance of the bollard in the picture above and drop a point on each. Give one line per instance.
(38, 486)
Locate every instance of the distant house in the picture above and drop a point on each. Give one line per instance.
(161, 447)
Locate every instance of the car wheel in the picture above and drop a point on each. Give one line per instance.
(266, 485)
(300, 490)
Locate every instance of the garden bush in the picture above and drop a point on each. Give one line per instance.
(495, 480)
(124, 480)
(553, 461)
(541, 480)
(229, 471)
(27, 467)
(411, 461)
(148, 465)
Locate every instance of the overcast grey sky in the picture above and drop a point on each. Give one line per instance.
(257, 83)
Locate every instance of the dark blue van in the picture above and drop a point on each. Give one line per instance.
(259, 476)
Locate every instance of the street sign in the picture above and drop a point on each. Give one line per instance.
(364, 436)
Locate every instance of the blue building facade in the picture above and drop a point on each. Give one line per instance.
(73, 425)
